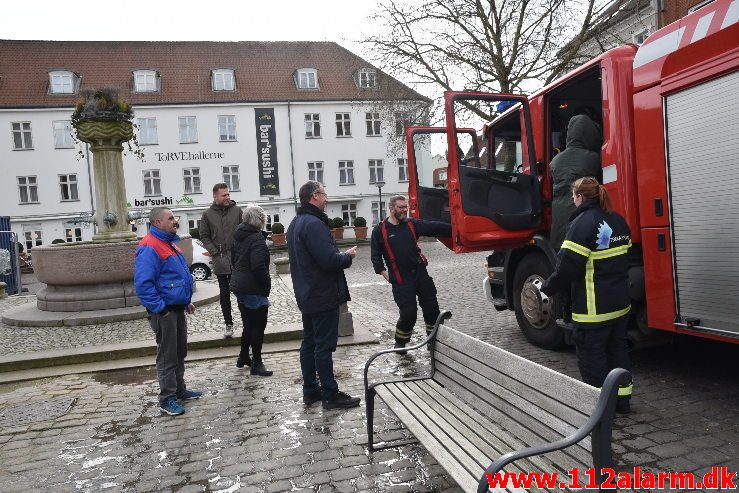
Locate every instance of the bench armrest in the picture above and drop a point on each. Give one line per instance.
(603, 409)
(443, 316)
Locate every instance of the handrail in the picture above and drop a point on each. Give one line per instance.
(609, 392)
(443, 316)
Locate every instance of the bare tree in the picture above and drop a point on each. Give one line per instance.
(480, 45)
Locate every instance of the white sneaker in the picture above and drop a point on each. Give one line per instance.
(228, 332)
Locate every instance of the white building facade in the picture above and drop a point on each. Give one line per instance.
(264, 150)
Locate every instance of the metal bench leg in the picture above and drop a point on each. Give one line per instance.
(369, 399)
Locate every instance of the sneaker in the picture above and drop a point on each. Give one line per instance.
(243, 361)
(399, 344)
(340, 400)
(172, 407)
(312, 398)
(228, 332)
(191, 394)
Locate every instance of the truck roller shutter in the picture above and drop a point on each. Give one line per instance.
(702, 137)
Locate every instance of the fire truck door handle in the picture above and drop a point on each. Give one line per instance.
(658, 207)
(661, 242)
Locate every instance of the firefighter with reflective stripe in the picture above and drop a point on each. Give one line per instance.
(395, 245)
(593, 264)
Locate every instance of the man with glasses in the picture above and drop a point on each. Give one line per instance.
(395, 240)
(317, 270)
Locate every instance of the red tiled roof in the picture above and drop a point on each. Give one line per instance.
(263, 71)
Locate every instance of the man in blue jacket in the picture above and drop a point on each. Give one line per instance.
(164, 285)
(317, 270)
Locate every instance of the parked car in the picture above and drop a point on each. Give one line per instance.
(201, 267)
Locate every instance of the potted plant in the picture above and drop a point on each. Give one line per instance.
(278, 234)
(360, 228)
(337, 228)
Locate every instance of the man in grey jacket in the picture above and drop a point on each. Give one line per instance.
(217, 228)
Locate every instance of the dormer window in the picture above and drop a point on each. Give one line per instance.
(307, 78)
(146, 81)
(367, 78)
(223, 80)
(63, 82)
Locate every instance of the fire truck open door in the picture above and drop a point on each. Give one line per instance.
(492, 207)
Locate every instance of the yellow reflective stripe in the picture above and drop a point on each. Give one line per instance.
(603, 317)
(624, 391)
(611, 252)
(590, 286)
(576, 247)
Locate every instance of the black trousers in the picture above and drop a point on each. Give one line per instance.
(225, 298)
(419, 285)
(255, 321)
(602, 348)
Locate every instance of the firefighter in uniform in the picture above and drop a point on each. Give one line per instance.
(395, 240)
(593, 264)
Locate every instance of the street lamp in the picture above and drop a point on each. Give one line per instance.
(380, 184)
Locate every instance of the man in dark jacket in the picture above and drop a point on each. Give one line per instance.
(217, 228)
(395, 240)
(580, 158)
(317, 270)
(163, 283)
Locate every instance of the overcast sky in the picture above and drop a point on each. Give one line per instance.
(187, 20)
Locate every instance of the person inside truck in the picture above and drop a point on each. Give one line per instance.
(580, 158)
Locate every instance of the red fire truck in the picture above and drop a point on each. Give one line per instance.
(669, 111)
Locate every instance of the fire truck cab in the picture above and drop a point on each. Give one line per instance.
(669, 113)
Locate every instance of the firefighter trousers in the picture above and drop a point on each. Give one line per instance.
(415, 284)
(602, 348)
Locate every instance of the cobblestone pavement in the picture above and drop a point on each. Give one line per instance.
(103, 432)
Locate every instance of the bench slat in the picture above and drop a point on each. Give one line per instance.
(574, 393)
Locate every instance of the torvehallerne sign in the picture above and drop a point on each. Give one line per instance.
(269, 182)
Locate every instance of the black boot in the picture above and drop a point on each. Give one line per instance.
(244, 359)
(398, 345)
(258, 368)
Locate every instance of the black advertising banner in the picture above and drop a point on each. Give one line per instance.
(269, 182)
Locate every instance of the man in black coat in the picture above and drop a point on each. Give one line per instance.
(395, 240)
(317, 270)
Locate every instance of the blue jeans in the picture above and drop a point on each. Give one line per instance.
(320, 334)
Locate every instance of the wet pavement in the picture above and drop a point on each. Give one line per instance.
(103, 432)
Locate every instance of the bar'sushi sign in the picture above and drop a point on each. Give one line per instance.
(269, 183)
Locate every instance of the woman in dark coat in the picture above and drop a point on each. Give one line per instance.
(251, 283)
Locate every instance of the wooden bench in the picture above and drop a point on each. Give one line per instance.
(479, 402)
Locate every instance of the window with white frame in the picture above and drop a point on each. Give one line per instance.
(191, 177)
(349, 214)
(146, 81)
(376, 170)
(640, 36)
(315, 171)
(367, 78)
(62, 82)
(223, 80)
(373, 124)
(73, 234)
(699, 6)
(312, 125)
(346, 172)
(377, 212)
(307, 78)
(62, 134)
(231, 177)
(68, 188)
(193, 224)
(188, 129)
(148, 131)
(152, 183)
(343, 125)
(227, 128)
(27, 189)
(22, 135)
(402, 169)
(32, 236)
(271, 219)
(402, 120)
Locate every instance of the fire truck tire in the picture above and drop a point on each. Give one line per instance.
(538, 323)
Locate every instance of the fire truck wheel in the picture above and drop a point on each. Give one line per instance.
(537, 319)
